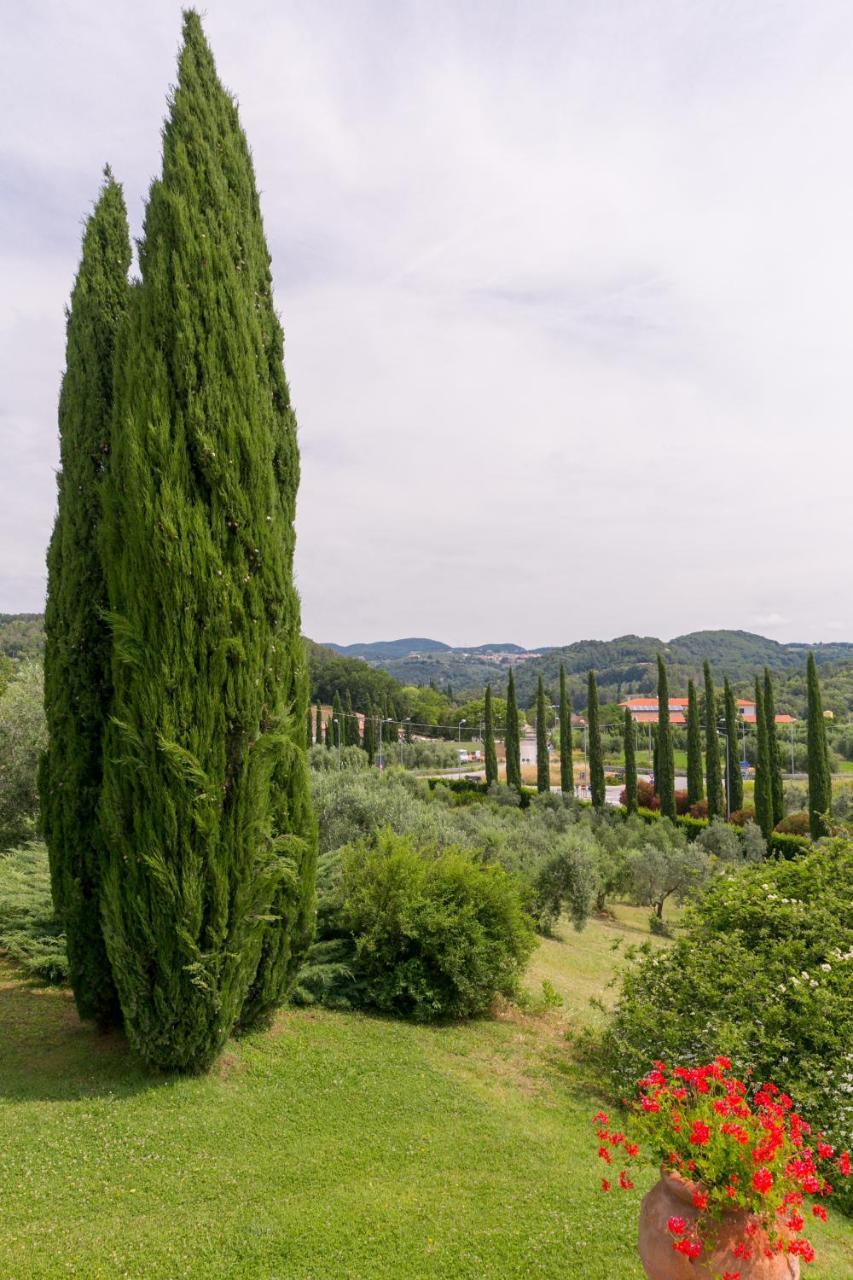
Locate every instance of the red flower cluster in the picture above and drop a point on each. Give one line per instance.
(740, 1147)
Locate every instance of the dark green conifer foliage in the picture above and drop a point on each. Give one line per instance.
(596, 755)
(713, 774)
(665, 767)
(777, 794)
(329, 737)
(763, 789)
(77, 661)
(339, 726)
(695, 776)
(309, 726)
(630, 743)
(820, 777)
(350, 723)
(491, 754)
(567, 770)
(369, 740)
(208, 895)
(512, 741)
(733, 765)
(318, 722)
(543, 763)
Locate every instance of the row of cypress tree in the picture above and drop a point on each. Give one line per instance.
(174, 789)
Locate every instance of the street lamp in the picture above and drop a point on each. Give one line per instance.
(461, 722)
(722, 732)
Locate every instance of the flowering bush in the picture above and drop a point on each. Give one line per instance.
(739, 1147)
(762, 971)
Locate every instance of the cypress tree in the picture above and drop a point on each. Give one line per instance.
(763, 791)
(543, 763)
(350, 723)
(318, 722)
(309, 727)
(596, 755)
(208, 895)
(777, 794)
(513, 745)
(491, 754)
(369, 741)
(695, 780)
(713, 774)
(567, 770)
(340, 727)
(329, 737)
(665, 766)
(77, 662)
(820, 778)
(734, 774)
(630, 743)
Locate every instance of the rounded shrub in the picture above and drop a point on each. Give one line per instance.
(436, 935)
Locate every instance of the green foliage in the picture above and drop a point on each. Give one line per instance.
(596, 755)
(433, 934)
(543, 760)
(665, 866)
(761, 972)
(23, 738)
(77, 653)
(763, 787)
(777, 800)
(695, 779)
(820, 782)
(630, 750)
(208, 895)
(713, 776)
(30, 934)
(21, 635)
(512, 741)
(350, 759)
(664, 761)
(567, 773)
(721, 840)
(733, 774)
(491, 754)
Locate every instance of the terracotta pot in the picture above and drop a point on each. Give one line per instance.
(672, 1197)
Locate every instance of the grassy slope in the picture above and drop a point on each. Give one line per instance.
(334, 1146)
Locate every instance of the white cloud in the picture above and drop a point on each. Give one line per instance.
(565, 293)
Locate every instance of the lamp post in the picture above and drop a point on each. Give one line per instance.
(792, 748)
(338, 727)
(722, 732)
(461, 722)
(585, 749)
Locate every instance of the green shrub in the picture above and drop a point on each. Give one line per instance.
(433, 934)
(29, 934)
(795, 824)
(788, 846)
(23, 738)
(761, 972)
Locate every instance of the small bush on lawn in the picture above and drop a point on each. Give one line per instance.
(29, 934)
(762, 972)
(740, 817)
(421, 933)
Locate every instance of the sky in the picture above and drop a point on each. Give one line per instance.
(566, 285)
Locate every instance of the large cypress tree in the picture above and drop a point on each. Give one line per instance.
(695, 779)
(309, 727)
(567, 769)
(713, 773)
(491, 754)
(777, 794)
(512, 743)
(318, 722)
(77, 663)
(630, 744)
(350, 722)
(763, 791)
(596, 755)
(820, 778)
(208, 896)
(543, 762)
(665, 766)
(733, 764)
(339, 726)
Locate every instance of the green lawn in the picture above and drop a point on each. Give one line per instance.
(335, 1145)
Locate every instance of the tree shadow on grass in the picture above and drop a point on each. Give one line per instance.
(48, 1055)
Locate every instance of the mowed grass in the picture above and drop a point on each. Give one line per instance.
(335, 1145)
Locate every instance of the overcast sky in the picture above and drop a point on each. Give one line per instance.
(567, 291)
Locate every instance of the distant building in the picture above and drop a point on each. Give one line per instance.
(645, 711)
